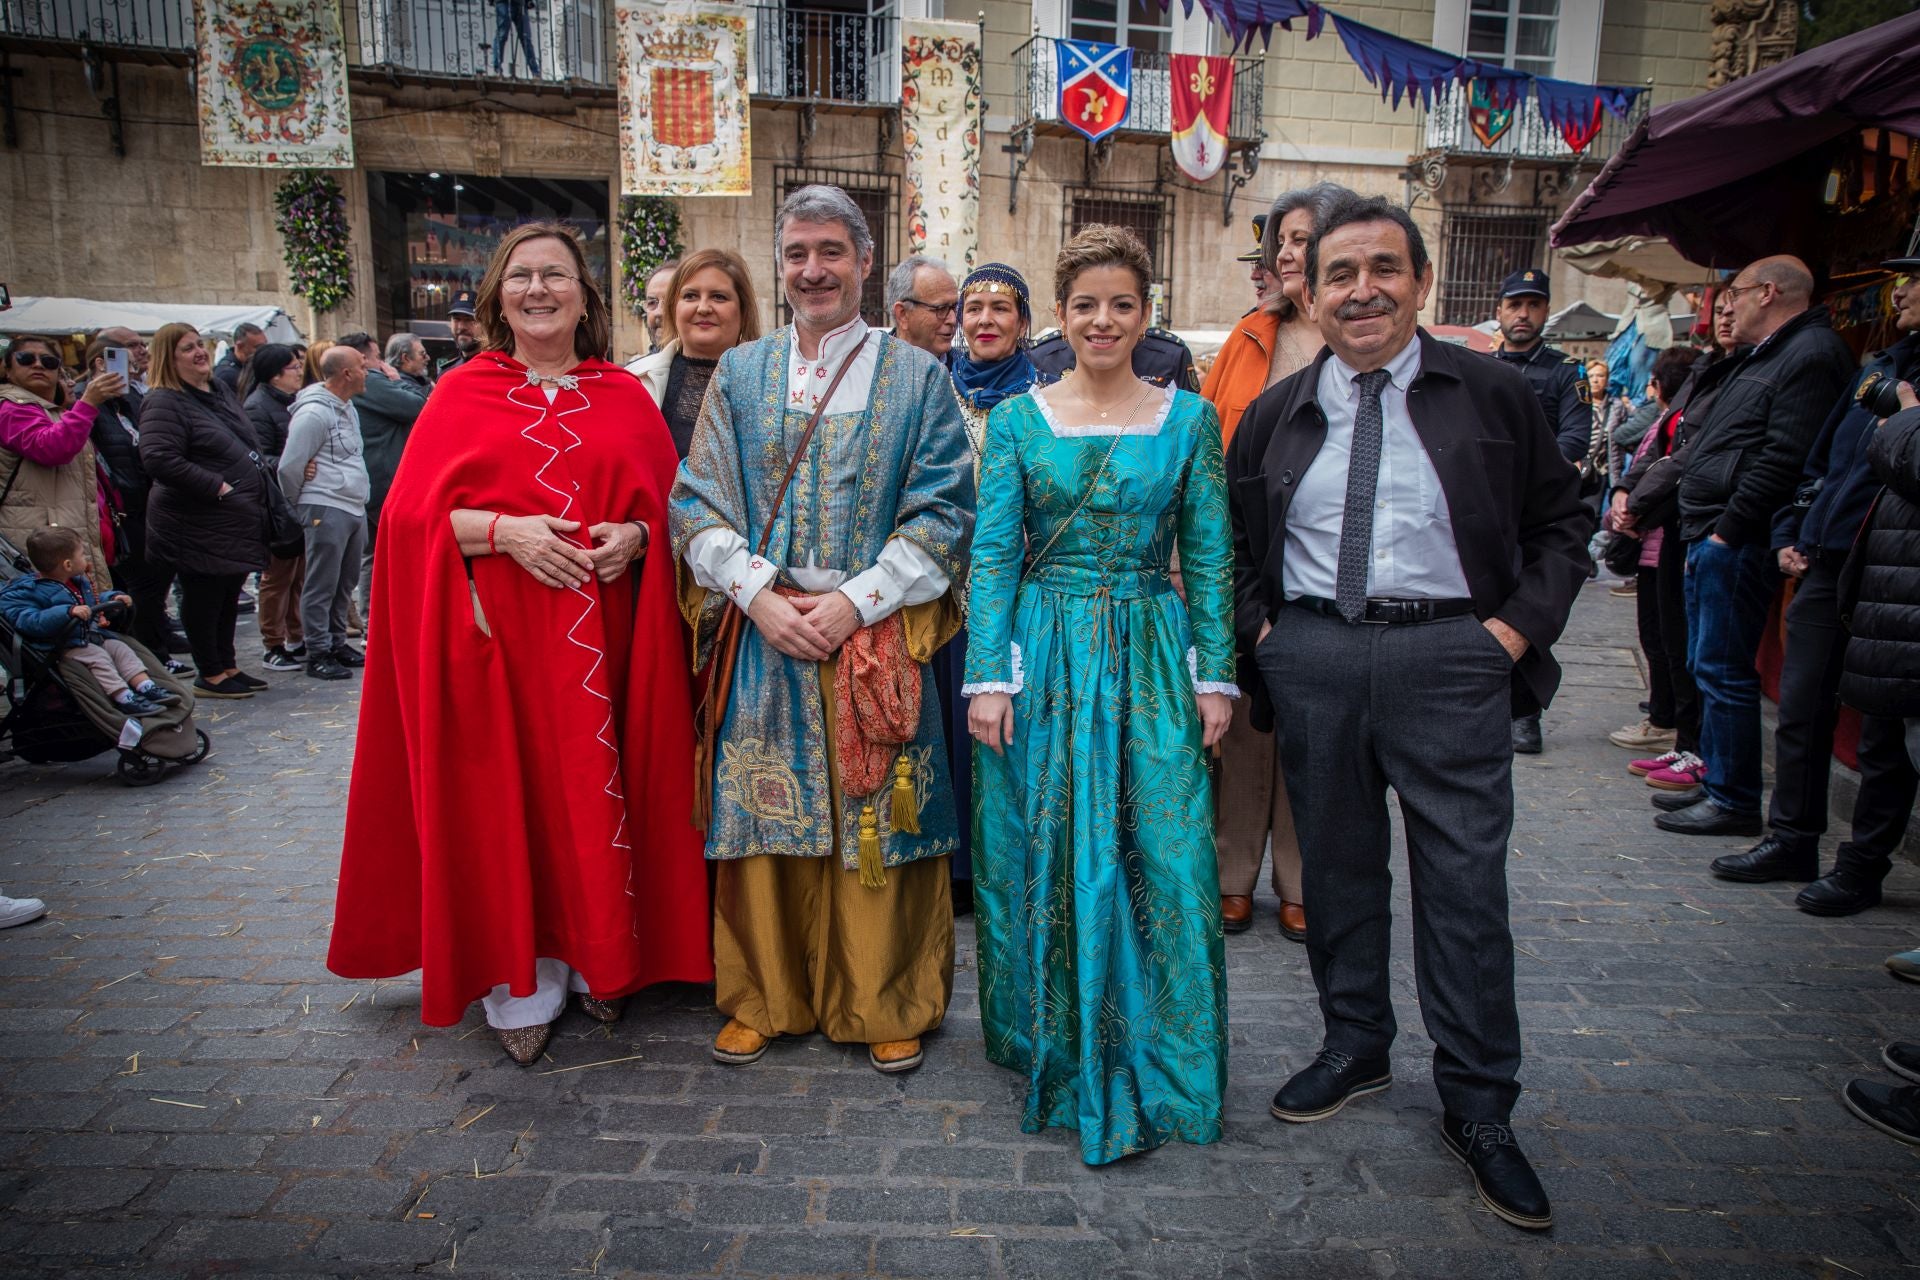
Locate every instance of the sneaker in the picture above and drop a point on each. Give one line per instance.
(228, 688)
(15, 911)
(1893, 1110)
(278, 659)
(1905, 965)
(175, 667)
(246, 681)
(133, 705)
(298, 652)
(1639, 737)
(327, 669)
(1629, 588)
(1641, 768)
(348, 656)
(1684, 774)
(158, 695)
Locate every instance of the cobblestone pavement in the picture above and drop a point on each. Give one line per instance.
(185, 1091)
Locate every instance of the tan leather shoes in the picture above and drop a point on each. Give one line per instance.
(895, 1055)
(1293, 921)
(603, 1010)
(738, 1044)
(525, 1044)
(1236, 913)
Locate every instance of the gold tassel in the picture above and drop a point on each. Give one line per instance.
(873, 872)
(906, 810)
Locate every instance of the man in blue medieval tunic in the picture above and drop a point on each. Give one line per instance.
(831, 815)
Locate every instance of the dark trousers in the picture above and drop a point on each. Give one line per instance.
(1423, 709)
(1729, 590)
(1646, 609)
(209, 607)
(1809, 708)
(146, 583)
(1885, 802)
(1670, 589)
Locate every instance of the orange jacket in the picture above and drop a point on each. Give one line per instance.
(1239, 372)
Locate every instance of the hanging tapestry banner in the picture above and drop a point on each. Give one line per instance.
(271, 76)
(1489, 121)
(683, 100)
(1202, 106)
(940, 131)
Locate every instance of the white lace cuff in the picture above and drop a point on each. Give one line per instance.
(1015, 685)
(1227, 687)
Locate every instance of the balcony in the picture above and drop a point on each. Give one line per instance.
(825, 56)
(562, 43)
(1446, 130)
(1036, 65)
(149, 26)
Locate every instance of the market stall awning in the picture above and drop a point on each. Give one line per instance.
(1652, 264)
(63, 316)
(1738, 173)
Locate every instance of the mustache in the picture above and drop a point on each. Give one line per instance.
(1381, 306)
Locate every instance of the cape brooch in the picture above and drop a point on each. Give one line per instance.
(558, 381)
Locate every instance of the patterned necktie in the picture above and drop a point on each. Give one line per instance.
(1363, 479)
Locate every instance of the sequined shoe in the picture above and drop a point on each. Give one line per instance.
(738, 1044)
(603, 1010)
(895, 1055)
(525, 1044)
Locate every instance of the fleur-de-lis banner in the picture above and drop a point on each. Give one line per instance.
(940, 132)
(1202, 110)
(272, 82)
(1096, 86)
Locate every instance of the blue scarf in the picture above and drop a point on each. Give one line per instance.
(986, 385)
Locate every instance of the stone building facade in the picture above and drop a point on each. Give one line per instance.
(103, 194)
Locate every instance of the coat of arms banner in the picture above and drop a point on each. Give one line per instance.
(940, 129)
(272, 82)
(683, 100)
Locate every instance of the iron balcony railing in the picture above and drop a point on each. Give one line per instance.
(162, 25)
(1036, 66)
(1448, 127)
(817, 55)
(537, 41)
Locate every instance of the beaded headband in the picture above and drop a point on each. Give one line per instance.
(998, 277)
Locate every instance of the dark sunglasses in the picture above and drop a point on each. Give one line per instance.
(26, 359)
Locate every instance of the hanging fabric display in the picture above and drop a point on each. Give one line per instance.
(1244, 19)
(1096, 83)
(1400, 68)
(1488, 122)
(1574, 111)
(271, 76)
(1202, 107)
(940, 136)
(683, 100)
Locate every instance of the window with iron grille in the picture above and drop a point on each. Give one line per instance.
(1480, 249)
(1147, 214)
(878, 197)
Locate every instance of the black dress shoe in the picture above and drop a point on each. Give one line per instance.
(1772, 859)
(1903, 1059)
(1526, 736)
(1334, 1079)
(348, 656)
(1674, 801)
(1892, 1109)
(1501, 1174)
(1705, 818)
(1841, 892)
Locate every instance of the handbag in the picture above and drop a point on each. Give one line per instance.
(726, 642)
(286, 536)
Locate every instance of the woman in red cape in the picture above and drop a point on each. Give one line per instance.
(519, 821)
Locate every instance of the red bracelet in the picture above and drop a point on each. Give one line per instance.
(491, 549)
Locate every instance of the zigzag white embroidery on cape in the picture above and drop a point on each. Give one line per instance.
(605, 734)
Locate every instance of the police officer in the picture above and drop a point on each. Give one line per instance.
(1161, 358)
(466, 331)
(1560, 382)
(1265, 283)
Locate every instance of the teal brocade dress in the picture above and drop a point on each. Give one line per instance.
(1097, 896)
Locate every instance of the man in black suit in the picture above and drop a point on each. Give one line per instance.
(1408, 543)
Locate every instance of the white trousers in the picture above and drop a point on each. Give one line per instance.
(552, 980)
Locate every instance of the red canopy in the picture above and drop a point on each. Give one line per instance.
(1738, 173)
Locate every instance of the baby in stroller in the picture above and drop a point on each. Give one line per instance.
(59, 608)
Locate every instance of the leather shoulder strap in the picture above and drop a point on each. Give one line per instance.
(800, 450)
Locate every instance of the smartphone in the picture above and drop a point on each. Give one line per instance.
(117, 358)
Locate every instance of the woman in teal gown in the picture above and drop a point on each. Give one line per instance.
(1095, 698)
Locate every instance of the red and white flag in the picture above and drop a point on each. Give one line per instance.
(1202, 104)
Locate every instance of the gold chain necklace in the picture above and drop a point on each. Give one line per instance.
(1144, 388)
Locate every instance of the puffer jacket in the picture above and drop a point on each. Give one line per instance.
(1747, 453)
(1830, 523)
(54, 473)
(268, 409)
(1880, 592)
(190, 443)
(41, 610)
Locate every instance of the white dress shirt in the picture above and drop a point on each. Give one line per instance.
(1414, 555)
(722, 559)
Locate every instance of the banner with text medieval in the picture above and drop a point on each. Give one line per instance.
(272, 82)
(940, 132)
(683, 99)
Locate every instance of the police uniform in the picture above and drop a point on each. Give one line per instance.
(1161, 358)
(462, 305)
(1558, 379)
(1259, 240)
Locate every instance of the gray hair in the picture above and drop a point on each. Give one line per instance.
(900, 280)
(819, 203)
(1316, 200)
(400, 346)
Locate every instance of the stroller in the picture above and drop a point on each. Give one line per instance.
(58, 713)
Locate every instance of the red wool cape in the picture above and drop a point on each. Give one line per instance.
(523, 782)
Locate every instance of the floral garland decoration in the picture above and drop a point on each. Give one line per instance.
(649, 236)
(313, 224)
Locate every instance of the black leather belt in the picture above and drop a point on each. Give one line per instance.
(1384, 611)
